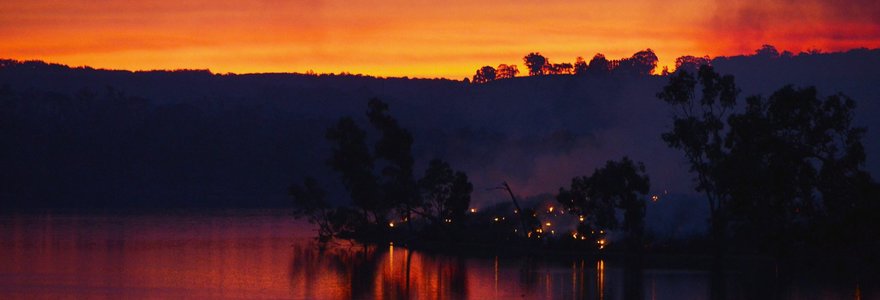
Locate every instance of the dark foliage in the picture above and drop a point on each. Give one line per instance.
(698, 130)
(447, 193)
(596, 198)
(536, 63)
(787, 165)
(486, 74)
(386, 199)
(394, 149)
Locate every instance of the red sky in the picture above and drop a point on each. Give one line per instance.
(414, 38)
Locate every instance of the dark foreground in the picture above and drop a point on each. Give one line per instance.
(268, 255)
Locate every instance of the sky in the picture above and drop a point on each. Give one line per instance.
(415, 38)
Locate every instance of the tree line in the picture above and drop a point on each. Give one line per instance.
(388, 203)
(785, 172)
(780, 174)
(641, 63)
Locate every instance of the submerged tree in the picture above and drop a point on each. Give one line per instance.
(309, 202)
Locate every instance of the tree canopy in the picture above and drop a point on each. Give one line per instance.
(785, 165)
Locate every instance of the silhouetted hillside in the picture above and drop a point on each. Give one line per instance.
(86, 138)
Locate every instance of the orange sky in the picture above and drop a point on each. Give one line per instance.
(414, 38)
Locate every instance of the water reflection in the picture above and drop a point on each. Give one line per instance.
(394, 272)
(270, 256)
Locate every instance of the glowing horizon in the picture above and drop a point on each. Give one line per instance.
(414, 38)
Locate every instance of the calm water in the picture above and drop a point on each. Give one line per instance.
(268, 255)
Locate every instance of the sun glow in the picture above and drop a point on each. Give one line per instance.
(408, 38)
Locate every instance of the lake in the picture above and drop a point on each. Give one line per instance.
(267, 254)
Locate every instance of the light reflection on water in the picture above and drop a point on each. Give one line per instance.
(268, 255)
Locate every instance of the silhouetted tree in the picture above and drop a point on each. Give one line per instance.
(698, 129)
(598, 213)
(625, 184)
(785, 152)
(641, 63)
(309, 202)
(484, 74)
(536, 63)
(580, 66)
(395, 148)
(767, 51)
(563, 68)
(691, 64)
(506, 71)
(618, 185)
(599, 65)
(781, 161)
(352, 159)
(447, 193)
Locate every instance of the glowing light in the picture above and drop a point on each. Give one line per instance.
(497, 219)
(539, 230)
(574, 235)
(473, 210)
(654, 198)
(390, 224)
(548, 224)
(550, 209)
(448, 220)
(581, 218)
(600, 277)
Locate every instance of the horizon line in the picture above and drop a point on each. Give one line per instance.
(311, 72)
